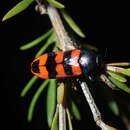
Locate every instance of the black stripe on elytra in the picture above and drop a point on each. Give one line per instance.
(81, 53)
(83, 66)
(50, 65)
(67, 67)
(35, 67)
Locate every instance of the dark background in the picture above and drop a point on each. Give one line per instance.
(106, 25)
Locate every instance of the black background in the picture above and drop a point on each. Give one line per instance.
(106, 25)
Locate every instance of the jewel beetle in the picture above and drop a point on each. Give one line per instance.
(63, 64)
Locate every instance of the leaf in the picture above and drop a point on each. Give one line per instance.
(120, 84)
(125, 72)
(118, 70)
(28, 86)
(21, 6)
(72, 24)
(120, 64)
(75, 111)
(51, 101)
(50, 41)
(60, 93)
(35, 98)
(56, 4)
(55, 121)
(88, 46)
(36, 41)
(114, 107)
(117, 76)
(69, 120)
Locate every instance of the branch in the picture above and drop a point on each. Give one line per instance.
(65, 41)
(62, 117)
(93, 107)
(90, 100)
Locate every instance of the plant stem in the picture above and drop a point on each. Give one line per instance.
(90, 100)
(65, 41)
(93, 107)
(62, 117)
(104, 78)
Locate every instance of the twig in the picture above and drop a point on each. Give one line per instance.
(61, 106)
(104, 78)
(65, 41)
(89, 98)
(62, 117)
(114, 68)
(93, 107)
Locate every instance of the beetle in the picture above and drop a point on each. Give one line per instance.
(64, 64)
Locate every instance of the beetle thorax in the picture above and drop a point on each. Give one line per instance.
(90, 62)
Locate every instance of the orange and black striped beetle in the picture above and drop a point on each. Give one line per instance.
(63, 64)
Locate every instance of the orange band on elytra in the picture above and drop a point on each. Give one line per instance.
(76, 70)
(43, 72)
(59, 57)
(43, 59)
(75, 54)
(60, 70)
